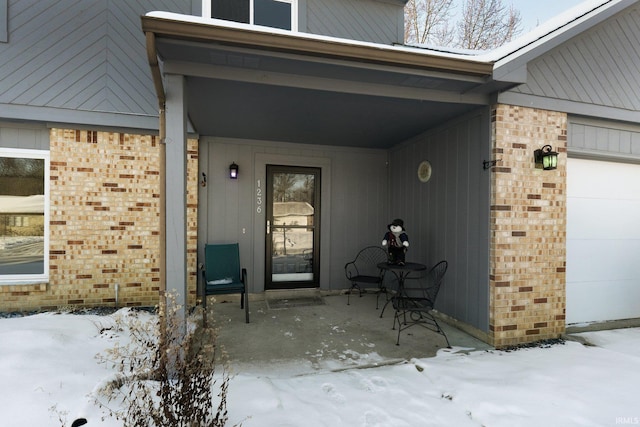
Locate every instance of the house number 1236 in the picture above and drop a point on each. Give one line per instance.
(258, 197)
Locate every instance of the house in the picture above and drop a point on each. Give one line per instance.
(139, 113)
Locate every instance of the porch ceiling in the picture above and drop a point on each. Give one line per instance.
(265, 112)
(245, 85)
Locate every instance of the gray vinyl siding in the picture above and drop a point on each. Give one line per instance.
(605, 140)
(448, 216)
(354, 200)
(366, 20)
(24, 136)
(4, 20)
(597, 69)
(72, 56)
(84, 61)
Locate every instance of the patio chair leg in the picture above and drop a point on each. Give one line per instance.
(446, 339)
(384, 307)
(204, 310)
(381, 290)
(353, 286)
(246, 306)
(441, 332)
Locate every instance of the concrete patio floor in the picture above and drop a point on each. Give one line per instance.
(325, 335)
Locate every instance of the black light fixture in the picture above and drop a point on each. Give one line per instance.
(546, 158)
(487, 164)
(233, 171)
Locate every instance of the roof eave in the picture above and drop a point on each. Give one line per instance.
(157, 27)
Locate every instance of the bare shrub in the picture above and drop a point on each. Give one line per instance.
(166, 375)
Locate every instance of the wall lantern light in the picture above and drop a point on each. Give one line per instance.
(546, 158)
(233, 171)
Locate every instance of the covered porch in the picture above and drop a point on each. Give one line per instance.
(365, 116)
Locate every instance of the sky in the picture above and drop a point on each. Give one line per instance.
(535, 12)
(48, 373)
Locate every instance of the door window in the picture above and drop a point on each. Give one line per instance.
(270, 13)
(292, 227)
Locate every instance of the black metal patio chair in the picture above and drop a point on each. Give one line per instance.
(222, 275)
(413, 304)
(363, 271)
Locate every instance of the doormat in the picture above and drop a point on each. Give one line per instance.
(284, 303)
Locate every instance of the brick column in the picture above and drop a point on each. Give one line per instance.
(528, 227)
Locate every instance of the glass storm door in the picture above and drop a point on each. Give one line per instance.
(293, 227)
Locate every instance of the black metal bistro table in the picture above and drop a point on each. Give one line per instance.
(401, 272)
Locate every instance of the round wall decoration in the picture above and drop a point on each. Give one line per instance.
(424, 171)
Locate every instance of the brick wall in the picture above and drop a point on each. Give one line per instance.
(528, 227)
(105, 223)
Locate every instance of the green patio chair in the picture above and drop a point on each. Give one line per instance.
(222, 275)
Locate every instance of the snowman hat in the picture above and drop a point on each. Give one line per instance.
(397, 221)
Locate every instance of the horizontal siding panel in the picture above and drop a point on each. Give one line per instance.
(596, 136)
(12, 136)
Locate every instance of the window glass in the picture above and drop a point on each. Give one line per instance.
(230, 10)
(272, 13)
(24, 216)
(269, 13)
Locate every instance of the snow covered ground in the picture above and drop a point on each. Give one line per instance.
(16, 242)
(48, 359)
(22, 204)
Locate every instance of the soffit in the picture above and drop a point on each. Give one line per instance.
(238, 87)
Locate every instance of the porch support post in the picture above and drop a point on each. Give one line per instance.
(176, 191)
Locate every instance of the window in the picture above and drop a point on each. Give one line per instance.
(270, 13)
(24, 216)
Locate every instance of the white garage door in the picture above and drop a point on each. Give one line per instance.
(603, 241)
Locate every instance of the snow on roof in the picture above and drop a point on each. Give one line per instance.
(22, 204)
(499, 56)
(268, 30)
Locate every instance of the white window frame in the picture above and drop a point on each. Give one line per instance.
(20, 279)
(206, 11)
